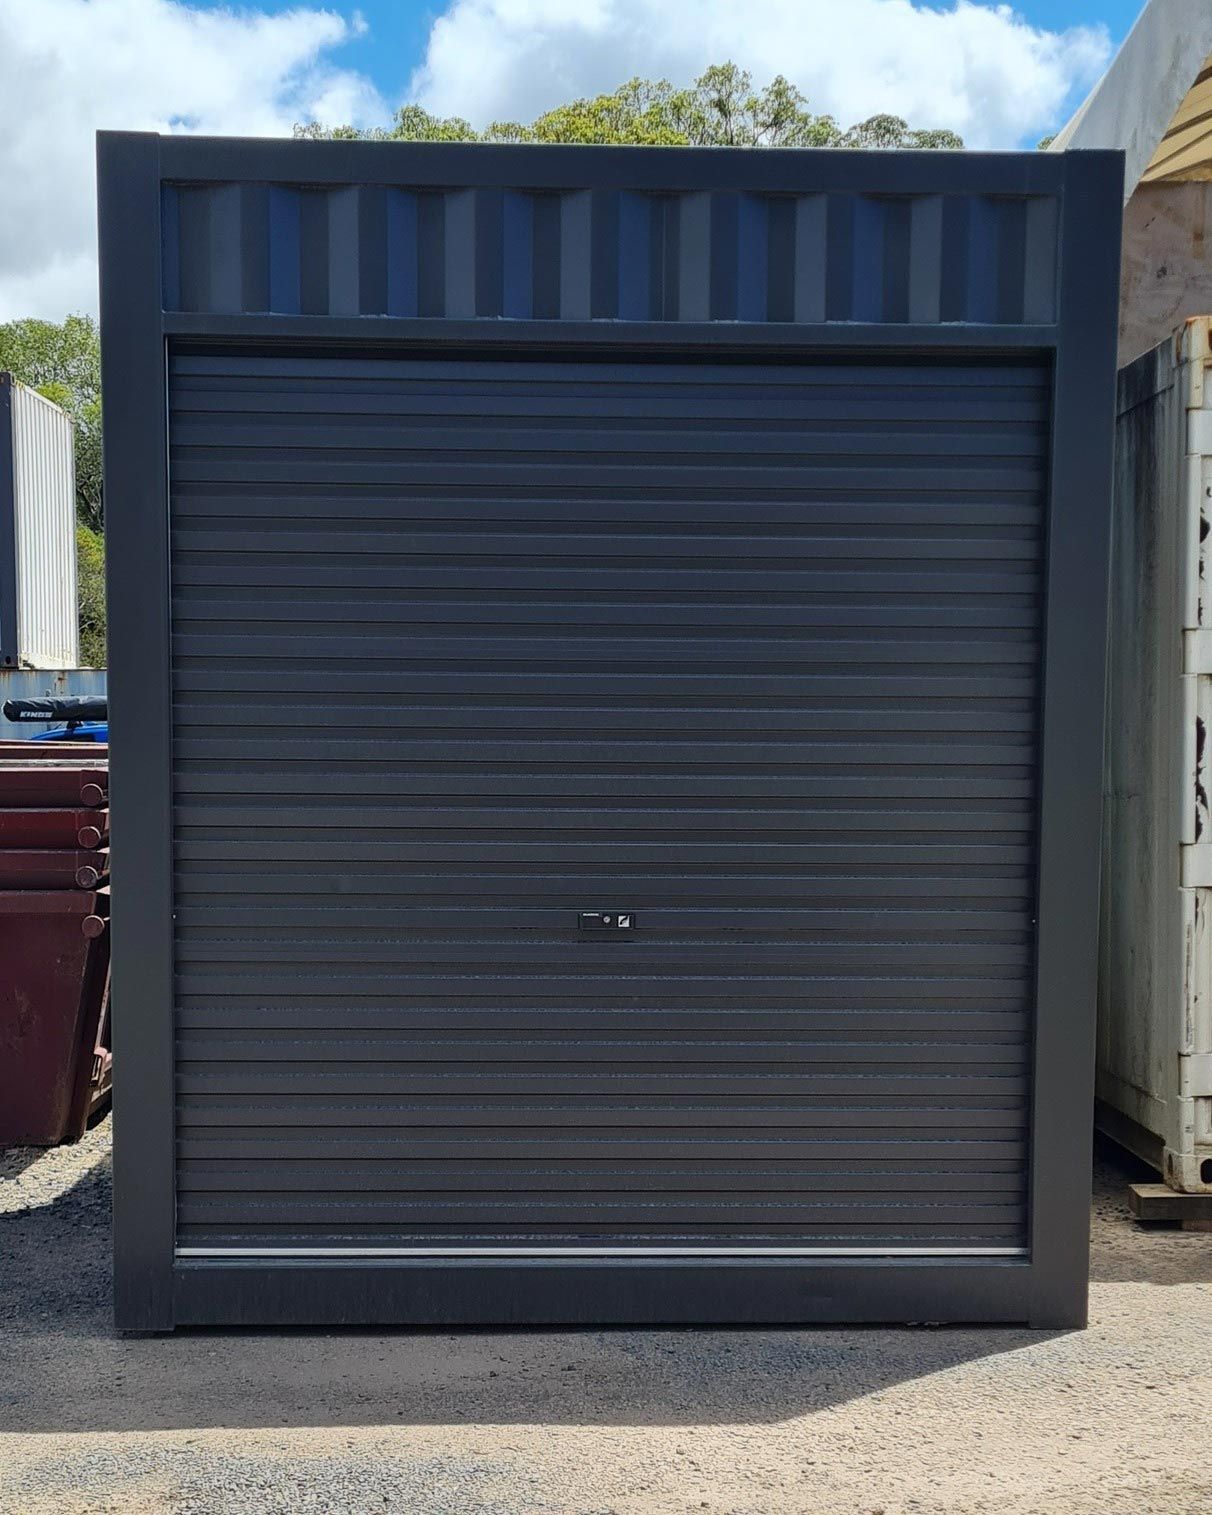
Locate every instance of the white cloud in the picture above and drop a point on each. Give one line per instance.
(979, 69)
(69, 67)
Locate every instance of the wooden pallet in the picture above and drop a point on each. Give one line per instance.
(1158, 1202)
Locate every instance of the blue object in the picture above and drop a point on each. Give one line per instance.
(86, 731)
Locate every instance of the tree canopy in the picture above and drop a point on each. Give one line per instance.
(722, 108)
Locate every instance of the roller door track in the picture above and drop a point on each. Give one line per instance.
(466, 650)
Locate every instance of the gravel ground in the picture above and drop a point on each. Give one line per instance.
(1116, 1420)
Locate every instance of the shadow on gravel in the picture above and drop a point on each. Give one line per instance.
(1123, 1250)
(64, 1371)
(15, 1160)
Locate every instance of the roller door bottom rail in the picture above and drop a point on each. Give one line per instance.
(575, 1253)
(604, 1292)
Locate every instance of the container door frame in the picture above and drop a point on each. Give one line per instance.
(155, 1291)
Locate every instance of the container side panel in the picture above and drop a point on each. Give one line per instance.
(1141, 977)
(44, 498)
(9, 636)
(1155, 1024)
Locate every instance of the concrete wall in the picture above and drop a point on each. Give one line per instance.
(1167, 267)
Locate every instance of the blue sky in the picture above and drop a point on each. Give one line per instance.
(393, 44)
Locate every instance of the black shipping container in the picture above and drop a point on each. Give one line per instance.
(606, 701)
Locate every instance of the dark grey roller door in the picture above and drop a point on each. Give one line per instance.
(463, 649)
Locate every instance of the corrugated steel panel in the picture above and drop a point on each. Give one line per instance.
(748, 650)
(1155, 991)
(610, 254)
(39, 620)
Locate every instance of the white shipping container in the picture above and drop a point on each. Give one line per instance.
(1154, 1080)
(39, 626)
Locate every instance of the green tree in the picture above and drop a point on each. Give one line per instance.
(891, 131)
(637, 114)
(63, 362)
(90, 584)
(720, 109)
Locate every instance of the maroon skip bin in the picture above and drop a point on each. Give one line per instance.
(50, 868)
(54, 992)
(51, 785)
(83, 828)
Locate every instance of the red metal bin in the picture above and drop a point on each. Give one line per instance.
(25, 785)
(54, 938)
(54, 945)
(51, 868)
(64, 827)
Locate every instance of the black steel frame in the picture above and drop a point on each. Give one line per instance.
(154, 1291)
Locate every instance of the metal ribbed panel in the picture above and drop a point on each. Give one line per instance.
(43, 526)
(464, 648)
(606, 254)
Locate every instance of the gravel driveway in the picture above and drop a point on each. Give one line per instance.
(1116, 1420)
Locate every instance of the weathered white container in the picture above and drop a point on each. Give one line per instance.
(39, 626)
(1154, 1081)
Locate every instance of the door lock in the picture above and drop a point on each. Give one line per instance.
(604, 922)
